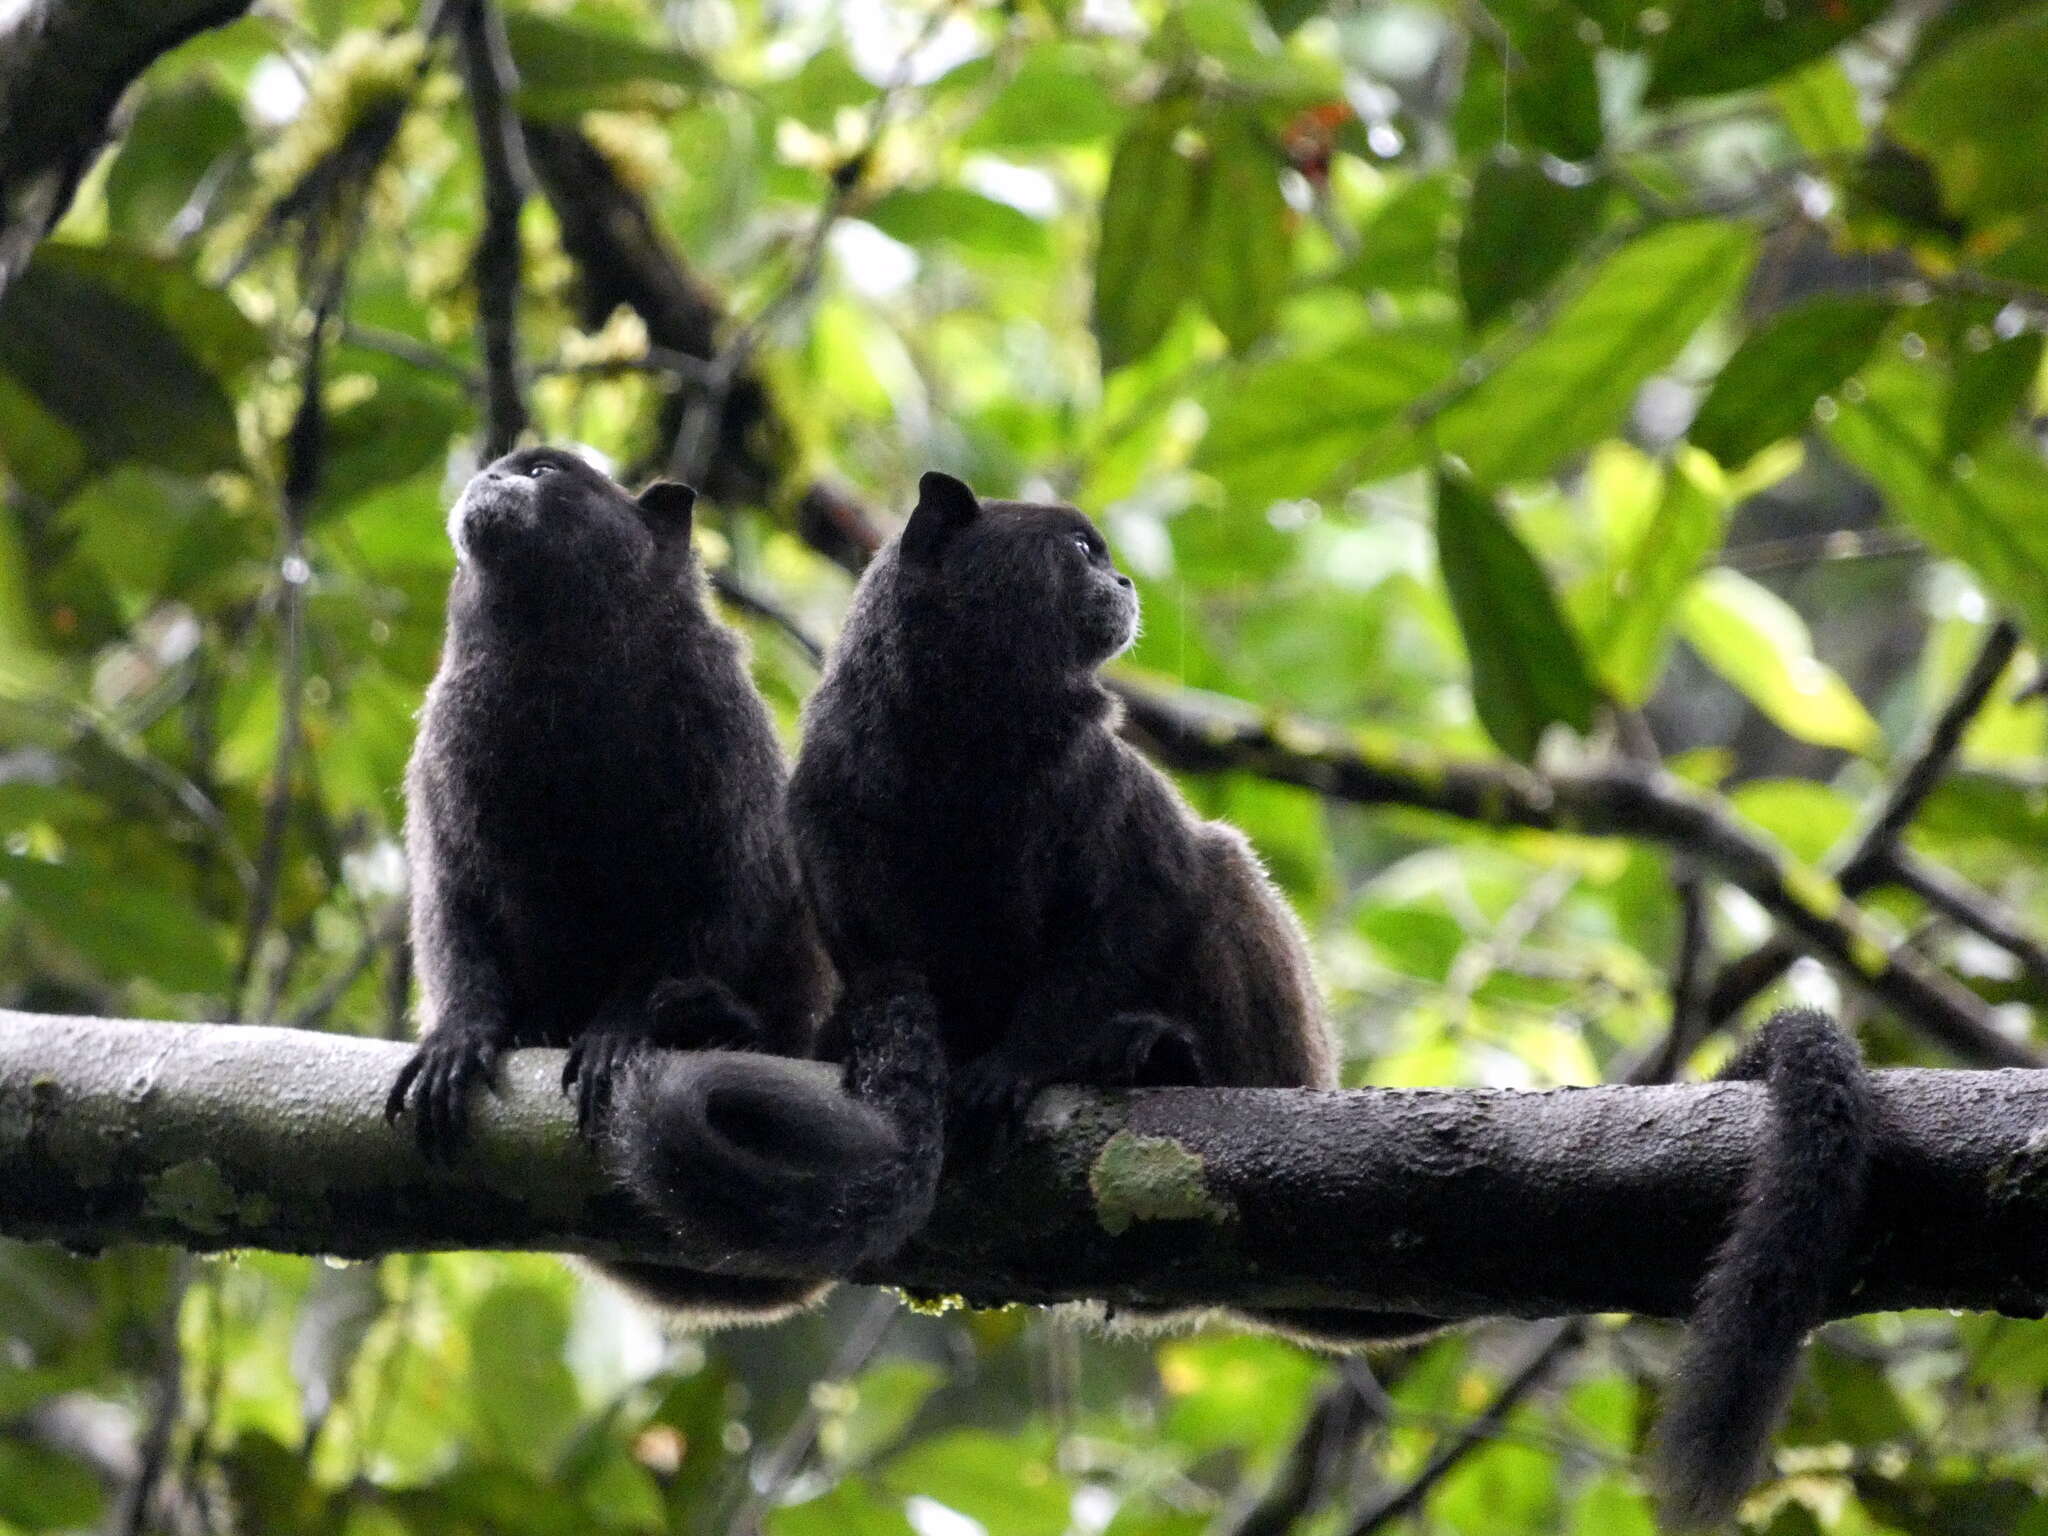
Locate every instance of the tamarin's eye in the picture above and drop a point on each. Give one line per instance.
(535, 471)
(1082, 543)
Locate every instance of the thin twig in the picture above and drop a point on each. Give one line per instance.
(377, 937)
(1814, 549)
(751, 601)
(782, 1463)
(1962, 903)
(1863, 866)
(1550, 1344)
(1344, 1413)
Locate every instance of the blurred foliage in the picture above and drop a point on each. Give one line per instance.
(1705, 336)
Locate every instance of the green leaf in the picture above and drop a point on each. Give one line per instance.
(1056, 97)
(1767, 389)
(130, 353)
(1808, 818)
(1630, 633)
(851, 1509)
(942, 215)
(521, 1393)
(1991, 384)
(184, 135)
(1527, 672)
(124, 928)
(1754, 639)
(1149, 250)
(1007, 1482)
(1575, 382)
(1523, 228)
(1820, 108)
(565, 69)
(44, 1490)
(1247, 248)
(1403, 244)
(1979, 114)
(1286, 428)
(1712, 46)
(1982, 508)
(1553, 94)
(402, 427)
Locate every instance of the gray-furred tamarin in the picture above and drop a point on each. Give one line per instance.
(596, 825)
(972, 829)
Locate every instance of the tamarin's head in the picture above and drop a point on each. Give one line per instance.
(1030, 579)
(546, 514)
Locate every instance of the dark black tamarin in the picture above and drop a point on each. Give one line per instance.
(596, 823)
(966, 816)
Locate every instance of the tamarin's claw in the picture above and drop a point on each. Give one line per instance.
(435, 1085)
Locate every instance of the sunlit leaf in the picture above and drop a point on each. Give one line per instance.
(1977, 112)
(1575, 382)
(126, 929)
(1749, 635)
(942, 215)
(565, 68)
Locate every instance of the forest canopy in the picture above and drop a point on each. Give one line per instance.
(1582, 468)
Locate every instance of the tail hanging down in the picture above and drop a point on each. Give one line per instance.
(1769, 1283)
(746, 1155)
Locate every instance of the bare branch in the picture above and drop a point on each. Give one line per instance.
(491, 78)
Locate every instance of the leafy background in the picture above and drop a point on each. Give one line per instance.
(1505, 381)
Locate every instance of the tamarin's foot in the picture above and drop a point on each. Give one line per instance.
(992, 1093)
(435, 1085)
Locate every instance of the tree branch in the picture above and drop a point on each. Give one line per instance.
(490, 77)
(1617, 800)
(1866, 863)
(63, 67)
(1455, 1203)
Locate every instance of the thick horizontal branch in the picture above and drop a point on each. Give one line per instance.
(1456, 1203)
(1603, 800)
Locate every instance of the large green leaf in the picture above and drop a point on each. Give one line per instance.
(1983, 508)
(128, 931)
(1246, 244)
(1767, 389)
(1575, 382)
(1711, 46)
(565, 69)
(1527, 672)
(1286, 428)
(1992, 382)
(131, 353)
(1752, 637)
(1055, 97)
(1979, 114)
(1523, 227)
(1404, 244)
(1150, 248)
(1553, 93)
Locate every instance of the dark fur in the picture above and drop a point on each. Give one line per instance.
(965, 813)
(1769, 1284)
(596, 819)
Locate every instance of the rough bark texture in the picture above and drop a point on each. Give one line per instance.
(63, 67)
(1453, 1202)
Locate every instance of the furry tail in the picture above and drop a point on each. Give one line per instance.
(1768, 1286)
(748, 1156)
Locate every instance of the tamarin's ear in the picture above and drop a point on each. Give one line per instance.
(944, 507)
(667, 504)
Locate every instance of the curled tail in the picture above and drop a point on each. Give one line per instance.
(765, 1158)
(1769, 1283)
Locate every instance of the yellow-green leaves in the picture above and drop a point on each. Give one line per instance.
(1754, 639)
(1979, 113)
(1575, 382)
(1527, 672)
